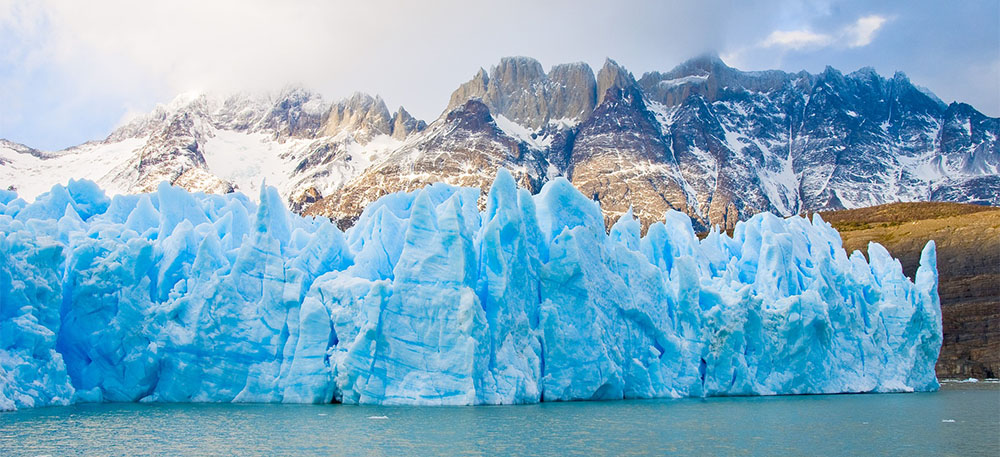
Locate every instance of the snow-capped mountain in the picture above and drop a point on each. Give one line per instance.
(715, 142)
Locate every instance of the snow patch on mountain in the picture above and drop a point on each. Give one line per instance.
(31, 175)
(247, 159)
(691, 79)
(710, 140)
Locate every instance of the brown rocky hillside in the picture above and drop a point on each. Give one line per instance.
(968, 245)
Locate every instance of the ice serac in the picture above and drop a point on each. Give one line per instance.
(32, 372)
(177, 297)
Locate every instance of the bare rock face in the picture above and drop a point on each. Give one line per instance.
(172, 154)
(403, 124)
(291, 112)
(967, 139)
(621, 159)
(296, 113)
(572, 92)
(464, 148)
(517, 90)
(362, 115)
(305, 199)
(520, 90)
(708, 76)
(473, 89)
(199, 180)
(19, 148)
(199, 141)
(715, 142)
(723, 177)
(612, 76)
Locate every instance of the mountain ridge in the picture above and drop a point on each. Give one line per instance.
(704, 138)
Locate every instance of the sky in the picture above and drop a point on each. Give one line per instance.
(72, 71)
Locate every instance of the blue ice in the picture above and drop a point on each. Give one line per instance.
(178, 297)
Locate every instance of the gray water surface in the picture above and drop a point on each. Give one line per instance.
(961, 420)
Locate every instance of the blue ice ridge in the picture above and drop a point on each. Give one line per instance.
(186, 297)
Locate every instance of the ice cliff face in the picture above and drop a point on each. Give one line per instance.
(177, 296)
(714, 142)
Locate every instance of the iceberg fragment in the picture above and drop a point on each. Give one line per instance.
(173, 296)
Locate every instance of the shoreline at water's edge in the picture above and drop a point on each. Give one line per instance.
(960, 420)
(985, 381)
(944, 384)
(948, 384)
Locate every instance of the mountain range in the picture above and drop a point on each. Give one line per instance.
(704, 138)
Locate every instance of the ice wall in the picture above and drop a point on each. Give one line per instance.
(180, 297)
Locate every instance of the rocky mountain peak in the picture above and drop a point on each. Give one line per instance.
(832, 77)
(519, 89)
(482, 77)
(403, 124)
(173, 154)
(295, 112)
(291, 112)
(612, 75)
(474, 88)
(147, 124)
(516, 72)
(906, 97)
(899, 77)
(713, 141)
(866, 74)
(708, 63)
(705, 76)
(473, 115)
(176, 141)
(19, 148)
(573, 91)
(362, 115)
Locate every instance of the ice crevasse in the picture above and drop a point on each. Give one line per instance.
(180, 297)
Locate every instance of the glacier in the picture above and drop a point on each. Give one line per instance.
(440, 296)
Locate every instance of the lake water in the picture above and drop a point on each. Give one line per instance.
(961, 420)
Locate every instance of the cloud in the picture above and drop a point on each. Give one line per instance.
(796, 39)
(135, 54)
(862, 32)
(70, 70)
(857, 34)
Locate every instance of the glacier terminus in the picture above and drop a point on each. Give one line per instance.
(440, 296)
